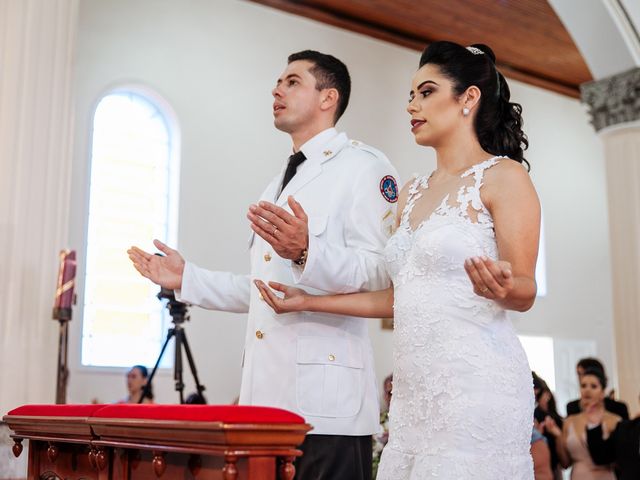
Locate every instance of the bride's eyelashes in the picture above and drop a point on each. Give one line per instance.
(425, 93)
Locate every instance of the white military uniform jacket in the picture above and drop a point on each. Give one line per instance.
(317, 365)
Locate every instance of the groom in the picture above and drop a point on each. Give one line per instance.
(318, 365)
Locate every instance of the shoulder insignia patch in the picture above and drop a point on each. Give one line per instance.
(389, 189)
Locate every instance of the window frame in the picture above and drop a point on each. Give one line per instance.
(173, 190)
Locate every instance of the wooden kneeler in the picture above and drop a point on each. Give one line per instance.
(115, 442)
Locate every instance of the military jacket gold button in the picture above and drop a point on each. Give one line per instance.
(332, 357)
(259, 334)
(267, 257)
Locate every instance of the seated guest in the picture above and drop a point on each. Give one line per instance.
(611, 405)
(541, 456)
(546, 407)
(571, 442)
(621, 446)
(136, 380)
(387, 387)
(381, 439)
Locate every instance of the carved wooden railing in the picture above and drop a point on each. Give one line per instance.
(118, 442)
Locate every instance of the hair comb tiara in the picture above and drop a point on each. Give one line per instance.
(475, 50)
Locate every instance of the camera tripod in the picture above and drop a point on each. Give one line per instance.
(178, 312)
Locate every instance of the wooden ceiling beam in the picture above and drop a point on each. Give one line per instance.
(384, 33)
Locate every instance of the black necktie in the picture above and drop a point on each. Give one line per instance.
(294, 161)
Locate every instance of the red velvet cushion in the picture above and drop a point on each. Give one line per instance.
(201, 413)
(56, 410)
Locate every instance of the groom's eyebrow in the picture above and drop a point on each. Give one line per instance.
(289, 77)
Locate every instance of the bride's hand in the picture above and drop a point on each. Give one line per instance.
(491, 279)
(293, 300)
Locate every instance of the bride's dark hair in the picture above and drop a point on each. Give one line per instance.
(498, 123)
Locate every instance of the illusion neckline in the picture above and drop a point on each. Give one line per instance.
(423, 182)
(469, 170)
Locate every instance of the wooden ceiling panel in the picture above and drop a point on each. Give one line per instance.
(530, 42)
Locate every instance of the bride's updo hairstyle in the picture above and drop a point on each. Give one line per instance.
(498, 123)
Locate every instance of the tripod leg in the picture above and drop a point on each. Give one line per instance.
(177, 367)
(192, 365)
(147, 388)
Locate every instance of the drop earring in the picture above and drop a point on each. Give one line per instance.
(465, 111)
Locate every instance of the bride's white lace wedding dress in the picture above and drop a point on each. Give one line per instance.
(462, 404)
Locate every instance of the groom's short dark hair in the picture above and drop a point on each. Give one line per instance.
(329, 72)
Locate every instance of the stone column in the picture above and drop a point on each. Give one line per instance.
(36, 70)
(614, 105)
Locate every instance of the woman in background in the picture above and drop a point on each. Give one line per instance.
(136, 380)
(546, 407)
(571, 440)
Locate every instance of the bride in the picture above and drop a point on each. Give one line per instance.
(463, 253)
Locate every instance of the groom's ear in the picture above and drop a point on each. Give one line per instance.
(329, 100)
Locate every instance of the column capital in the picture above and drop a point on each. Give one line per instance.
(613, 100)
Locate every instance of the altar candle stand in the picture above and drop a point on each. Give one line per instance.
(62, 311)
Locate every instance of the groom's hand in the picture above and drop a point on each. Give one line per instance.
(287, 234)
(165, 271)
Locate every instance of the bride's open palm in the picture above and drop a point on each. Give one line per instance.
(293, 300)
